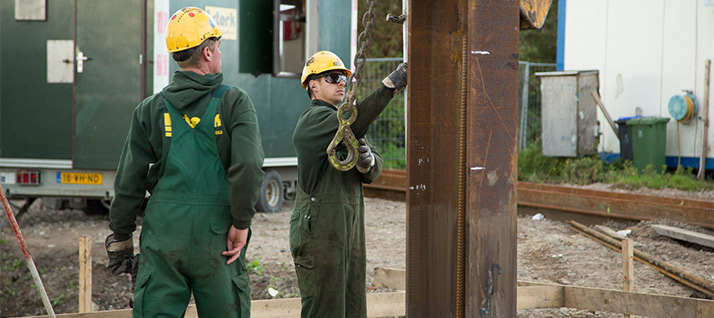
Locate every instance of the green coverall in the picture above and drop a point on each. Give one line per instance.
(193, 182)
(327, 223)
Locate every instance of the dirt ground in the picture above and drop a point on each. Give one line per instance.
(547, 252)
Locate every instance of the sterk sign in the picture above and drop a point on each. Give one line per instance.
(227, 19)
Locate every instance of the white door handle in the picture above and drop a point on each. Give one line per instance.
(80, 61)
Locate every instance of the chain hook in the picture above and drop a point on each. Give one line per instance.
(344, 133)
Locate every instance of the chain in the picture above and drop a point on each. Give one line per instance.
(347, 111)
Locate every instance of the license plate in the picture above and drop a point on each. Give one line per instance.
(79, 178)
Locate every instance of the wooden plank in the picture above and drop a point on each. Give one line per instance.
(599, 103)
(628, 272)
(668, 269)
(123, 313)
(636, 303)
(85, 274)
(612, 233)
(530, 297)
(684, 235)
(378, 305)
(386, 304)
(390, 278)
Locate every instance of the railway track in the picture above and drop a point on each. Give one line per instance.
(584, 205)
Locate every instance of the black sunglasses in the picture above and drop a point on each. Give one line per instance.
(335, 78)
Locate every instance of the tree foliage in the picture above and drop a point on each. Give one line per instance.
(386, 36)
(540, 46)
(535, 46)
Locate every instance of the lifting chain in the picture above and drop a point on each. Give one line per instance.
(347, 111)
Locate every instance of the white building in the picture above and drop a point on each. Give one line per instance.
(646, 51)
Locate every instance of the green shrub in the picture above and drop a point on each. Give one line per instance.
(534, 167)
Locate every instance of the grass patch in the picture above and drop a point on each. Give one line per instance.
(534, 167)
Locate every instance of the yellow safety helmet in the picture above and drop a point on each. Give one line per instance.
(320, 62)
(188, 28)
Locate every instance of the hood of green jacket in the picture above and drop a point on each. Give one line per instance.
(187, 88)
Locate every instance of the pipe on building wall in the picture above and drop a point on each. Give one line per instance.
(705, 115)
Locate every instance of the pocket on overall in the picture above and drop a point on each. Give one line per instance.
(219, 243)
(302, 223)
(142, 280)
(242, 286)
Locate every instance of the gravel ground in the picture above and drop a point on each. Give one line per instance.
(547, 252)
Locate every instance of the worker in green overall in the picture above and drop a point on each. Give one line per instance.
(196, 148)
(327, 223)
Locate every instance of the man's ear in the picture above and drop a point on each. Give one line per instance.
(207, 53)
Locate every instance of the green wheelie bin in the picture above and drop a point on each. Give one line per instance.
(649, 140)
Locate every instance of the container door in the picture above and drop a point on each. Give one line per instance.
(36, 81)
(107, 78)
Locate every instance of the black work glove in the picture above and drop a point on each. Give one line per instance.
(366, 158)
(121, 255)
(398, 79)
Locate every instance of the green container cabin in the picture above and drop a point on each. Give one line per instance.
(72, 72)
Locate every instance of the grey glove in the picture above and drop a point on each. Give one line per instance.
(366, 158)
(121, 254)
(398, 79)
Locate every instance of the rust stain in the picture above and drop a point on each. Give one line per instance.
(455, 45)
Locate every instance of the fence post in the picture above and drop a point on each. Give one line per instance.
(85, 273)
(523, 118)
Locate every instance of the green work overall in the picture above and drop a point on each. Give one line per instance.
(327, 243)
(184, 231)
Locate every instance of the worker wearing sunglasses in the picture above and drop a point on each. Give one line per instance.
(327, 222)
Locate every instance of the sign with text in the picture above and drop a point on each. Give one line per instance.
(227, 19)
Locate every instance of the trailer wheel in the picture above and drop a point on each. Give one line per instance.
(271, 193)
(95, 207)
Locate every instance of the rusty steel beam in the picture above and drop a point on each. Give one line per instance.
(461, 158)
(603, 204)
(436, 32)
(616, 205)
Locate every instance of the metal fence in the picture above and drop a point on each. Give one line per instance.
(388, 133)
(529, 122)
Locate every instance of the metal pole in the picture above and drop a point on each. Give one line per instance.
(524, 107)
(26, 253)
(705, 115)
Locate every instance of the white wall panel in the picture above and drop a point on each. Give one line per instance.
(585, 42)
(705, 50)
(633, 59)
(679, 46)
(646, 51)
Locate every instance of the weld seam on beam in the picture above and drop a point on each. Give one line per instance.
(461, 219)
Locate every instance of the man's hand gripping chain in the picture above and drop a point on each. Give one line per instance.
(346, 136)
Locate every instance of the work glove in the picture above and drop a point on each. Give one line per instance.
(121, 254)
(366, 158)
(398, 79)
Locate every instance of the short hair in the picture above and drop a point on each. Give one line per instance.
(191, 57)
(309, 90)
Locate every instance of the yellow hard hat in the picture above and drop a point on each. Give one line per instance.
(320, 62)
(188, 28)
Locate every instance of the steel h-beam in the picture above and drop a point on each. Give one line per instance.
(461, 158)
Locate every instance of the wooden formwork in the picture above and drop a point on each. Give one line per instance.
(530, 295)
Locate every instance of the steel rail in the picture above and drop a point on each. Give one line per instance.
(668, 269)
(607, 204)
